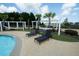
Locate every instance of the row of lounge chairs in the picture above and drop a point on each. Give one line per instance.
(32, 33)
(41, 38)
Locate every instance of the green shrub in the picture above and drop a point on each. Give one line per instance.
(71, 32)
(53, 30)
(64, 37)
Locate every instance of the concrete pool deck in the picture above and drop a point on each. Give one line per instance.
(27, 47)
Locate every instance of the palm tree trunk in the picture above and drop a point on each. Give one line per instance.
(49, 22)
(28, 25)
(38, 23)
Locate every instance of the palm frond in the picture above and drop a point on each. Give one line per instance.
(53, 15)
(38, 15)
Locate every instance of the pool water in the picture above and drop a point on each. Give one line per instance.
(7, 44)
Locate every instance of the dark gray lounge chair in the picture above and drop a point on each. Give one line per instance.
(32, 33)
(44, 37)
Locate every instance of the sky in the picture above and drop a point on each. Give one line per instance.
(62, 10)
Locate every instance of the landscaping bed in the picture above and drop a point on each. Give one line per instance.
(65, 37)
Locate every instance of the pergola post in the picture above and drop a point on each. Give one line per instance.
(17, 25)
(1, 26)
(23, 25)
(36, 24)
(59, 28)
(8, 25)
(32, 24)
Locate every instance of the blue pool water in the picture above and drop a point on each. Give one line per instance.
(7, 44)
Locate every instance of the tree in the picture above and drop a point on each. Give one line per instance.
(38, 16)
(31, 18)
(66, 20)
(66, 24)
(76, 25)
(49, 16)
(25, 16)
(11, 16)
(20, 17)
(3, 16)
(16, 16)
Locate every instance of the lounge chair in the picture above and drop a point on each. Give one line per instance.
(44, 37)
(32, 33)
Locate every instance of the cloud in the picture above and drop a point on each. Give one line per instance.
(4, 8)
(11, 9)
(44, 9)
(66, 11)
(32, 7)
(29, 7)
(67, 8)
(68, 5)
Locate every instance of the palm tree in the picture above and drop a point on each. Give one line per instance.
(38, 16)
(49, 16)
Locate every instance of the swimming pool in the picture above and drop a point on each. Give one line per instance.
(7, 44)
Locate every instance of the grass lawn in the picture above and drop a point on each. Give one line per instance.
(65, 37)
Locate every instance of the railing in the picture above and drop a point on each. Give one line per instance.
(52, 21)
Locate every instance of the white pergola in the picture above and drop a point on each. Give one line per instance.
(9, 26)
(56, 22)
